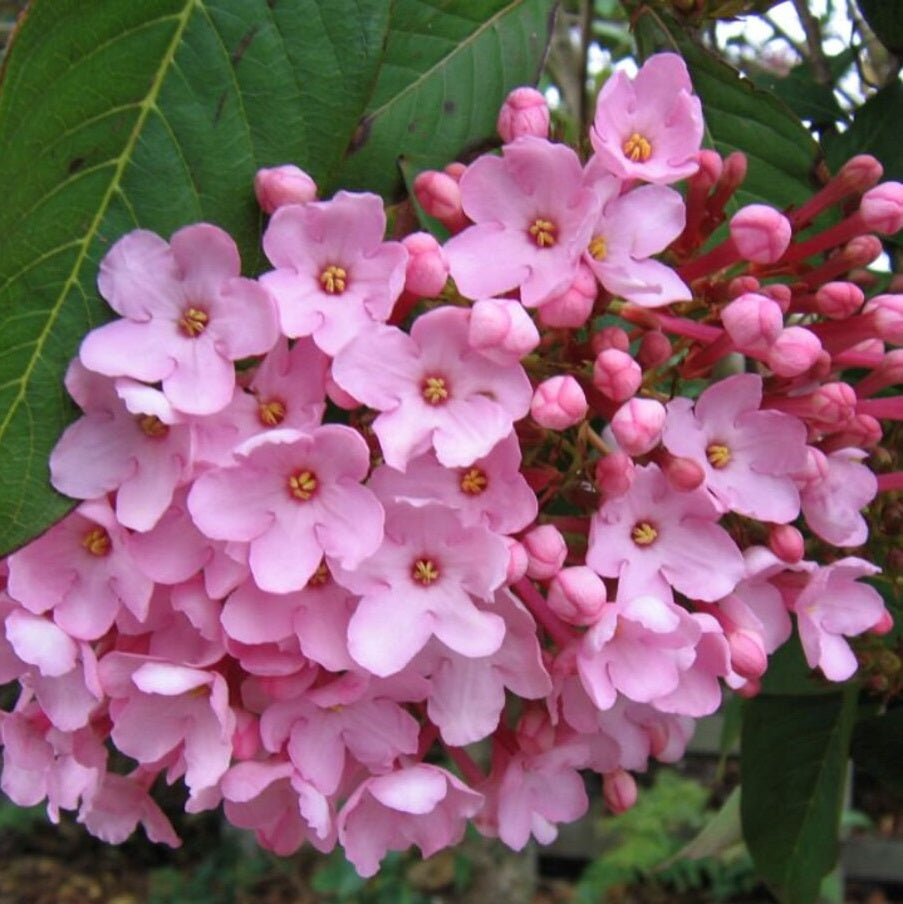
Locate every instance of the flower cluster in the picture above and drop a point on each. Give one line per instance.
(365, 552)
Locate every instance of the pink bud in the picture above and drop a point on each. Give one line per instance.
(615, 473)
(839, 300)
(619, 790)
(887, 312)
(439, 195)
(741, 285)
(282, 185)
(502, 330)
(339, 397)
(546, 552)
(577, 595)
(862, 250)
(655, 349)
(862, 431)
(760, 233)
(753, 322)
(558, 403)
(455, 169)
(793, 352)
(786, 542)
(749, 689)
(683, 474)
(748, 656)
(609, 337)
(525, 112)
(884, 625)
(882, 208)
(710, 167)
(616, 375)
(833, 404)
(535, 731)
(860, 173)
(517, 560)
(573, 307)
(780, 293)
(637, 425)
(427, 269)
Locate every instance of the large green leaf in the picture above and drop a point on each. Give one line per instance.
(157, 114)
(740, 117)
(794, 754)
(446, 70)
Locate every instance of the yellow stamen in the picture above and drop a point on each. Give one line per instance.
(97, 542)
(719, 455)
(425, 572)
(334, 280)
(598, 250)
(637, 148)
(543, 232)
(474, 481)
(643, 533)
(435, 390)
(152, 426)
(302, 485)
(320, 576)
(193, 322)
(272, 413)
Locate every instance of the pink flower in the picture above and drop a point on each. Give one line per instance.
(533, 218)
(334, 273)
(748, 455)
(649, 128)
(433, 390)
(419, 804)
(653, 537)
(188, 314)
(292, 497)
(629, 229)
(420, 583)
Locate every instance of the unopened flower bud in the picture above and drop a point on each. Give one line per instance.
(558, 403)
(753, 322)
(760, 233)
(616, 375)
(882, 208)
(710, 167)
(683, 474)
(655, 349)
(887, 313)
(748, 656)
(280, 185)
(637, 425)
(440, 196)
(832, 404)
(794, 351)
(786, 542)
(517, 560)
(572, 308)
(884, 625)
(525, 112)
(752, 687)
(780, 293)
(535, 731)
(502, 330)
(741, 285)
(619, 790)
(577, 595)
(609, 337)
(614, 474)
(427, 268)
(860, 173)
(546, 552)
(839, 300)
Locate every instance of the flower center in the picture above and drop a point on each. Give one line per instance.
(271, 413)
(474, 481)
(637, 148)
(643, 533)
(152, 426)
(543, 232)
(302, 485)
(334, 280)
(434, 390)
(319, 577)
(598, 250)
(193, 322)
(424, 572)
(97, 541)
(719, 455)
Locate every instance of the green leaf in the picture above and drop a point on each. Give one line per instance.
(793, 764)
(740, 117)
(721, 833)
(878, 748)
(885, 18)
(446, 71)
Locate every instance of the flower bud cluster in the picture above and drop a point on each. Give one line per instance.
(353, 513)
